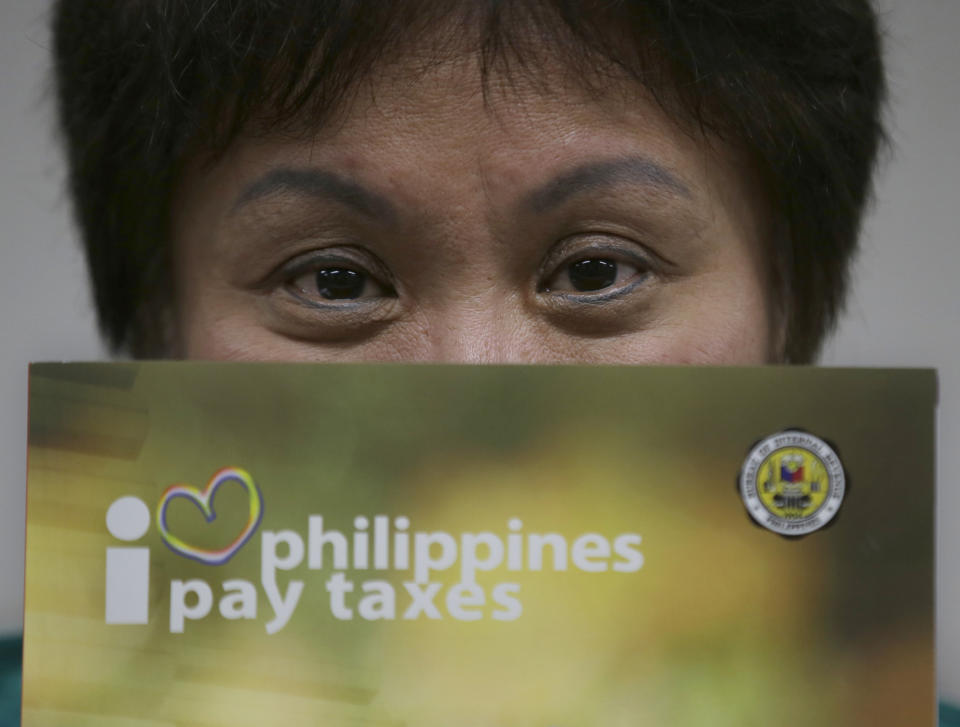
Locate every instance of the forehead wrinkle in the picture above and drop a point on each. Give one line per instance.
(592, 176)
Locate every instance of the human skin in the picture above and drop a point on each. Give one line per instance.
(466, 222)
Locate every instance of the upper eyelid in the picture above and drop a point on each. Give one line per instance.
(305, 264)
(567, 252)
(345, 255)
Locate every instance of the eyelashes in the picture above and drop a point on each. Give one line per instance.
(598, 283)
(337, 283)
(579, 269)
(595, 269)
(336, 278)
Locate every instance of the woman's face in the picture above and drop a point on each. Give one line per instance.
(428, 223)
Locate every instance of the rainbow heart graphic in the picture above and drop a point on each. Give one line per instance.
(204, 500)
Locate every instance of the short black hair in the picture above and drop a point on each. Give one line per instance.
(144, 85)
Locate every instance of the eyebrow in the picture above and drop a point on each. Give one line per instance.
(319, 183)
(597, 175)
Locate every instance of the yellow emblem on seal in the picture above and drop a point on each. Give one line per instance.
(792, 483)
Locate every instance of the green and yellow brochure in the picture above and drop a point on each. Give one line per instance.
(386, 545)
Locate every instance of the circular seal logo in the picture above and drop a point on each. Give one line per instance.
(792, 483)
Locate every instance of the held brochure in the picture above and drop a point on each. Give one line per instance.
(249, 544)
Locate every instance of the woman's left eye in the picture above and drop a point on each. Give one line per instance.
(593, 274)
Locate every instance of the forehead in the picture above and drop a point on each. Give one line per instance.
(417, 125)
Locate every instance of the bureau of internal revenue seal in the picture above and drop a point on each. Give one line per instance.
(792, 483)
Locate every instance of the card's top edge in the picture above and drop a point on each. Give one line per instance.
(426, 364)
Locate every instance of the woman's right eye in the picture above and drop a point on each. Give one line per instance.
(335, 283)
(327, 281)
(330, 294)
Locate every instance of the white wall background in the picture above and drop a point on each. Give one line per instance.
(905, 309)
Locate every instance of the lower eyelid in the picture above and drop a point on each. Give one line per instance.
(336, 325)
(321, 320)
(603, 296)
(332, 307)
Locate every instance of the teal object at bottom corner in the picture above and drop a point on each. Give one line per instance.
(11, 655)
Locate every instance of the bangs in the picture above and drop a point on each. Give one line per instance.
(293, 71)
